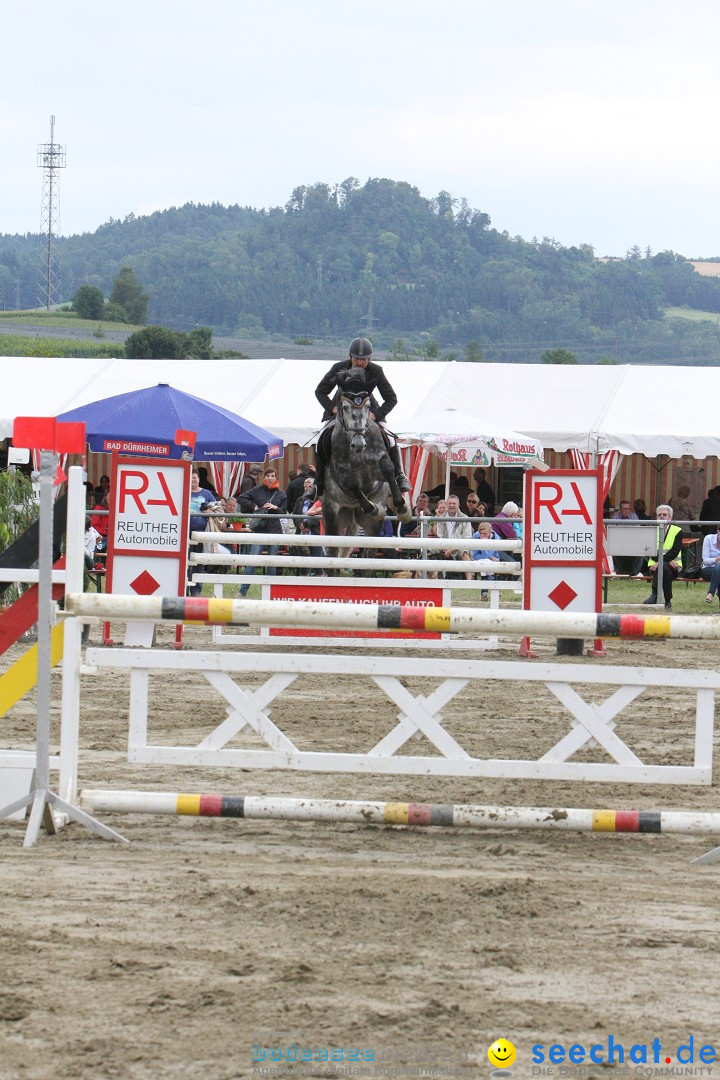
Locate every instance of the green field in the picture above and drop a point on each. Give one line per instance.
(56, 319)
(19, 345)
(694, 314)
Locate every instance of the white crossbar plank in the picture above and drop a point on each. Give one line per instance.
(21, 576)
(407, 727)
(404, 543)
(401, 666)
(579, 736)
(424, 720)
(446, 584)
(470, 566)
(247, 710)
(421, 766)
(23, 759)
(585, 715)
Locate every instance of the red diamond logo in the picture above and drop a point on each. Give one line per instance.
(562, 595)
(145, 584)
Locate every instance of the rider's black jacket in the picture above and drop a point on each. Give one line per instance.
(375, 379)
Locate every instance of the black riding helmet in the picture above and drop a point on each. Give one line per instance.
(360, 346)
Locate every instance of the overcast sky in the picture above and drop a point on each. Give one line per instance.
(588, 121)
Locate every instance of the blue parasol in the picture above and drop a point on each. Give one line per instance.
(148, 421)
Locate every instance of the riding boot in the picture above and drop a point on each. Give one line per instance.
(394, 452)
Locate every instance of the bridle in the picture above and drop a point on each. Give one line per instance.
(356, 435)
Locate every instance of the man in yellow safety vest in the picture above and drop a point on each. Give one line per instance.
(670, 538)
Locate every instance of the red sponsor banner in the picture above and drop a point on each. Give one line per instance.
(361, 594)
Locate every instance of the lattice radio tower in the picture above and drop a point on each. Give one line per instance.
(50, 158)
(369, 320)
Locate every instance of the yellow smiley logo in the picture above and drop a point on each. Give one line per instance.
(502, 1053)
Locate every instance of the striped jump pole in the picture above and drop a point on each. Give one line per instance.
(243, 612)
(361, 812)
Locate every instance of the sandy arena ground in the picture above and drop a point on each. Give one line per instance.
(174, 956)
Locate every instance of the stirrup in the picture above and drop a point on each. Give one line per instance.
(402, 482)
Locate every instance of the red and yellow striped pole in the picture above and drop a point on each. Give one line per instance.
(335, 614)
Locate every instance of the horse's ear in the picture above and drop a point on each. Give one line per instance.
(355, 386)
(352, 382)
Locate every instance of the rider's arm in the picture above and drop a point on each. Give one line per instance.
(388, 395)
(325, 387)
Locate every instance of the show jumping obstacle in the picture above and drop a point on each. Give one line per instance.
(302, 563)
(443, 815)
(307, 557)
(593, 724)
(200, 609)
(360, 812)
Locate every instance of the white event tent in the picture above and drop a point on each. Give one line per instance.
(628, 409)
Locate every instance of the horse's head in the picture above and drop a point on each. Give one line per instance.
(354, 410)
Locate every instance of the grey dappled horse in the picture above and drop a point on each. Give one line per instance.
(359, 476)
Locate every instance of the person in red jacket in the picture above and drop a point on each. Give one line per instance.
(100, 520)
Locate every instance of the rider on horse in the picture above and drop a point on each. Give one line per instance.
(373, 378)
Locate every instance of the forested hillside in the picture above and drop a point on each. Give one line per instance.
(316, 267)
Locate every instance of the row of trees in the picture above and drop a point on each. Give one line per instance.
(337, 257)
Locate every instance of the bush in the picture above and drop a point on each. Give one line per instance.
(199, 343)
(18, 507)
(115, 313)
(89, 302)
(156, 343)
(558, 356)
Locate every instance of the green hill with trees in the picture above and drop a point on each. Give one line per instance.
(337, 259)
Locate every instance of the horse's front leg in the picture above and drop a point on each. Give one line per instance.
(348, 481)
(387, 471)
